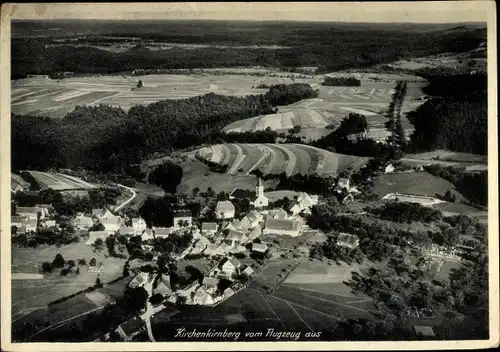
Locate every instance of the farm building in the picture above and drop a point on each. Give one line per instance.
(281, 227)
(209, 228)
(148, 234)
(213, 250)
(183, 218)
(224, 210)
(257, 198)
(200, 245)
(234, 238)
(18, 184)
(202, 297)
(224, 248)
(347, 240)
(50, 223)
(228, 292)
(94, 235)
(344, 183)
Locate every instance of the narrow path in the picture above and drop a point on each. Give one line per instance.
(134, 194)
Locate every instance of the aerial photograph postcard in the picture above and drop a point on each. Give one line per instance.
(225, 173)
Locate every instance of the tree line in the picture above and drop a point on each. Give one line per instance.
(107, 139)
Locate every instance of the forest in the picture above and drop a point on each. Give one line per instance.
(341, 82)
(456, 118)
(330, 47)
(107, 139)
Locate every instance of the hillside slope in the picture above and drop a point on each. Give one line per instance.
(278, 158)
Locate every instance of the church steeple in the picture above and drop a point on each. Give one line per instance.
(259, 190)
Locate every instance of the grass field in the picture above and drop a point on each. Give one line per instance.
(421, 183)
(276, 158)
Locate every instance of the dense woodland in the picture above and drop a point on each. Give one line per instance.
(341, 81)
(329, 46)
(456, 118)
(107, 139)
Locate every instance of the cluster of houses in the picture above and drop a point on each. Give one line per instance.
(29, 219)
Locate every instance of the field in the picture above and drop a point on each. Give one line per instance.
(333, 104)
(276, 158)
(471, 162)
(58, 182)
(55, 98)
(33, 293)
(421, 183)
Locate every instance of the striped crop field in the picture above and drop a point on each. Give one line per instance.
(58, 182)
(277, 158)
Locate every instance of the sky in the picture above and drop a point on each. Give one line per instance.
(406, 12)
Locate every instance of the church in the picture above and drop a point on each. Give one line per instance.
(257, 198)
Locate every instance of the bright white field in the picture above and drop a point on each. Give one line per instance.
(242, 159)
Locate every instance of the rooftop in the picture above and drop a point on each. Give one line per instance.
(132, 325)
(243, 193)
(209, 226)
(423, 330)
(259, 247)
(183, 213)
(281, 224)
(225, 205)
(235, 235)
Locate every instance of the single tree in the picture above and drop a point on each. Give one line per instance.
(58, 261)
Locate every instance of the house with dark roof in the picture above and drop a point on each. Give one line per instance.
(282, 227)
(131, 328)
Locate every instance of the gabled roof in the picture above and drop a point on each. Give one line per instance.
(83, 220)
(162, 289)
(277, 214)
(111, 220)
(210, 281)
(235, 235)
(233, 261)
(259, 247)
(100, 212)
(161, 231)
(18, 218)
(223, 248)
(31, 222)
(229, 291)
(225, 205)
(283, 225)
(256, 232)
(137, 220)
(248, 270)
(209, 226)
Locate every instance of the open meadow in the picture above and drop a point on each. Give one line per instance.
(57, 181)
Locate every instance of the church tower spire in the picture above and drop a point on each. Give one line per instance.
(259, 190)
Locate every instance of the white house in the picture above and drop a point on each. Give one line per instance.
(148, 234)
(112, 223)
(139, 224)
(127, 231)
(303, 203)
(230, 267)
(281, 227)
(139, 280)
(224, 210)
(259, 247)
(202, 297)
(344, 183)
(248, 271)
(234, 238)
(256, 232)
(389, 168)
(183, 218)
(210, 284)
(30, 225)
(251, 220)
(159, 232)
(208, 228)
(50, 223)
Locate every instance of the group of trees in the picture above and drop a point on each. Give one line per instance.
(456, 118)
(45, 236)
(474, 186)
(168, 176)
(406, 212)
(109, 140)
(322, 45)
(341, 81)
